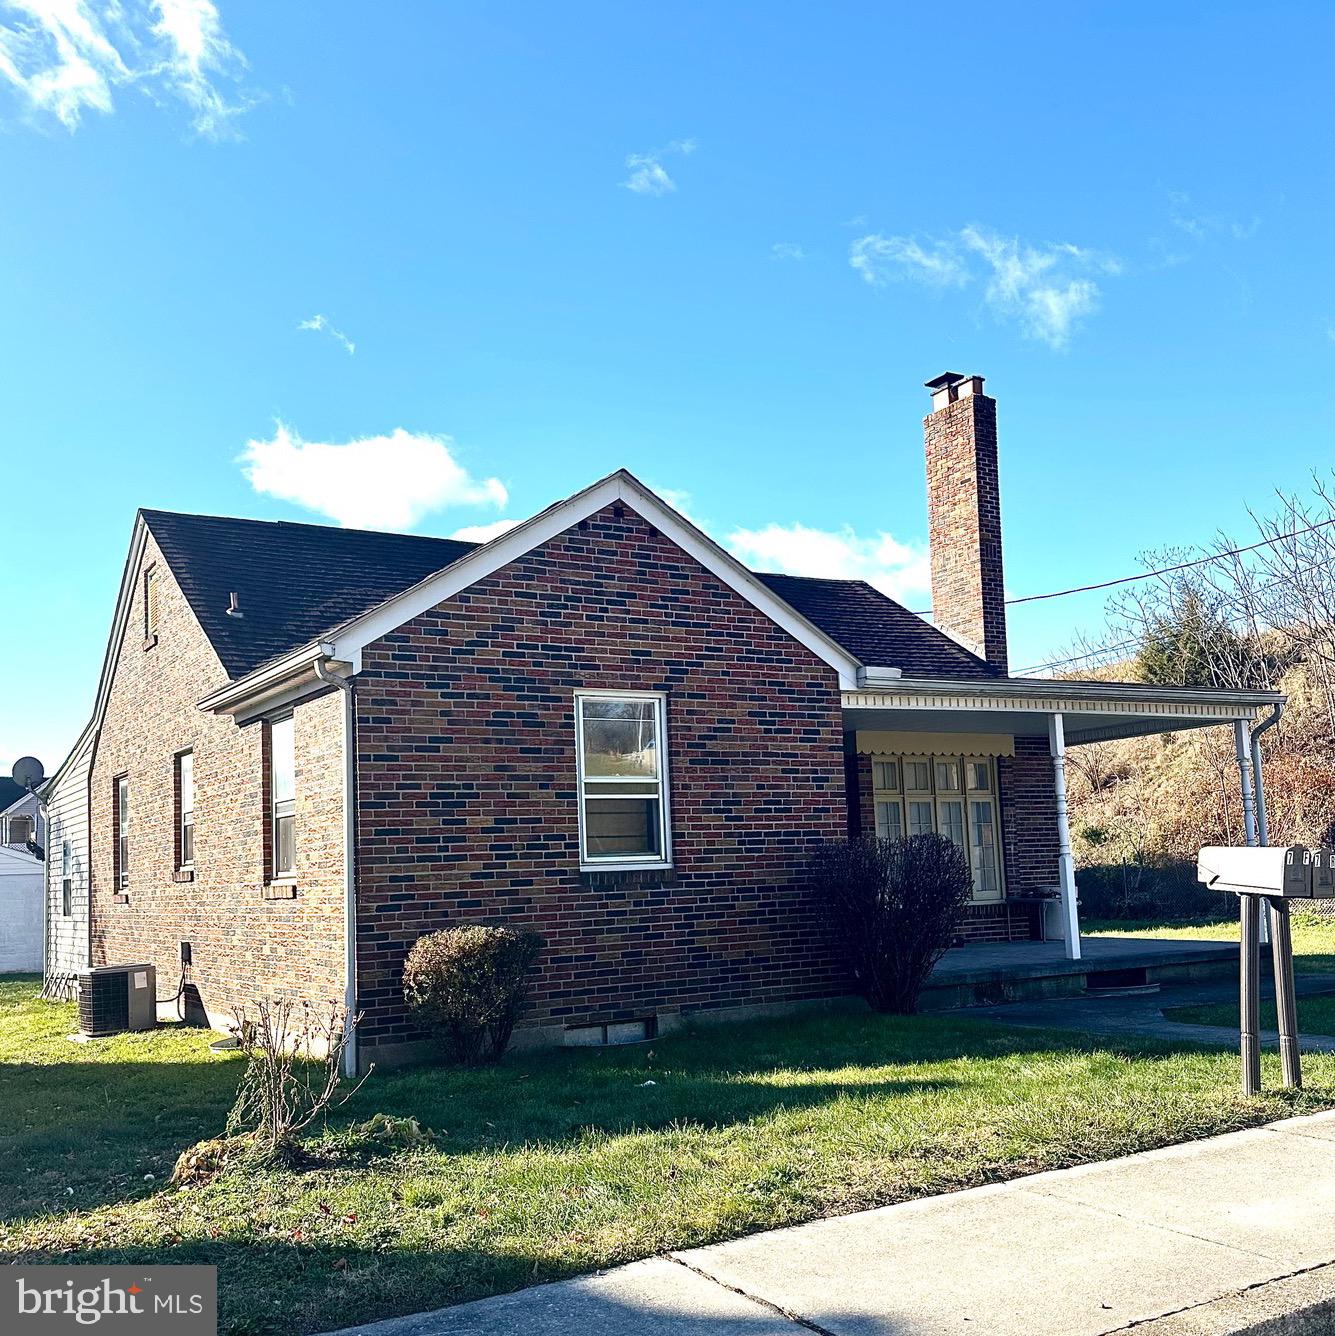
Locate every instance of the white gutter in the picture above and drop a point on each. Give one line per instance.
(1017, 688)
(349, 862)
(269, 677)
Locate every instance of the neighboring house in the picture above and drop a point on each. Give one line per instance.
(22, 824)
(20, 910)
(311, 745)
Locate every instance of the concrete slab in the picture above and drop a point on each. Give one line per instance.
(1000, 1260)
(1320, 1125)
(1271, 1196)
(654, 1298)
(1301, 1305)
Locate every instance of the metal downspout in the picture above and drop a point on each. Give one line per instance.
(1262, 825)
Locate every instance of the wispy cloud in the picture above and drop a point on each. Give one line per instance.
(787, 250)
(374, 482)
(320, 324)
(1046, 288)
(648, 176)
(901, 570)
(1200, 225)
(67, 57)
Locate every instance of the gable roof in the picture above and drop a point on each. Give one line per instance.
(292, 581)
(877, 630)
(301, 584)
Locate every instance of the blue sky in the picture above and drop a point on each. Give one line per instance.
(722, 245)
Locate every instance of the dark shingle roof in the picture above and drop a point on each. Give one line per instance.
(876, 630)
(292, 581)
(295, 581)
(10, 792)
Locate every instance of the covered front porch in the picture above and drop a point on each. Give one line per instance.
(983, 761)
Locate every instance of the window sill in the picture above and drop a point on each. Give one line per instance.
(184, 874)
(150, 641)
(280, 889)
(628, 874)
(120, 898)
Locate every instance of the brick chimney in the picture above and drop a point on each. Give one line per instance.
(964, 515)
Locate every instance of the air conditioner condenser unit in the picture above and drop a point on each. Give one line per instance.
(115, 998)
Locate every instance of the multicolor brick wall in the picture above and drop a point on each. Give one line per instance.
(466, 783)
(964, 521)
(245, 946)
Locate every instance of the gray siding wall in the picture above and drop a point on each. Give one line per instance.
(67, 935)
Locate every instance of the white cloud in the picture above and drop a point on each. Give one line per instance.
(320, 324)
(648, 176)
(484, 533)
(376, 482)
(787, 250)
(1047, 288)
(879, 258)
(899, 569)
(1200, 226)
(66, 57)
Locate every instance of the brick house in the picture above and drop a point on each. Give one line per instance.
(310, 745)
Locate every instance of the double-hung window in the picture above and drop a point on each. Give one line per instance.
(282, 797)
(185, 803)
(954, 796)
(122, 812)
(621, 762)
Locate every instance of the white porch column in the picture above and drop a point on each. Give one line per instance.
(1245, 773)
(1066, 860)
(1251, 817)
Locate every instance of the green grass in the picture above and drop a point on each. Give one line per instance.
(1313, 936)
(1316, 1015)
(559, 1163)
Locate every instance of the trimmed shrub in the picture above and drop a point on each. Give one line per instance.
(468, 986)
(891, 907)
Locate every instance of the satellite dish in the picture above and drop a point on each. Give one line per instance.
(28, 772)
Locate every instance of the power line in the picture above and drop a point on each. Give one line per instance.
(1163, 570)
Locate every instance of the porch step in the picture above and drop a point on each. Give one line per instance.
(987, 975)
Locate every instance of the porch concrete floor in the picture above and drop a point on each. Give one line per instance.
(1005, 962)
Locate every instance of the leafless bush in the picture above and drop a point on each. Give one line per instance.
(294, 1056)
(891, 908)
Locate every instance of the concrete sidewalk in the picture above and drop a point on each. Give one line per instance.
(1233, 1234)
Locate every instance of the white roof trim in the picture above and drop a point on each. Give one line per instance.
(348, 640)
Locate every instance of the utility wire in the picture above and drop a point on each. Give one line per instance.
(1163, 570)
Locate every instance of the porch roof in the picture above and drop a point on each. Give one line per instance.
(1019, 706)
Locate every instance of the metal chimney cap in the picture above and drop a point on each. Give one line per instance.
(944, 379)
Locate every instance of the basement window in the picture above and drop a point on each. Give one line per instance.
(616, 1032)
(621, 760)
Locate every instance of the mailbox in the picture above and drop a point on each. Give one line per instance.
(1294, 873)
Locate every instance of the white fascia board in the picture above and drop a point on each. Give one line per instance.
(352, 637)
(267, 677)
(1056, 697)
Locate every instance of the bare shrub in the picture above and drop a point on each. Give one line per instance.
(892, 908)
(468, 986)
(294, 1056)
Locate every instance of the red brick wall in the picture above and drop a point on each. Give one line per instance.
(964, 521)
(245, 946)
(1029, 816)
(466, 784)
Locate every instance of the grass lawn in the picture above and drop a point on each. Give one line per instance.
(563, 1162)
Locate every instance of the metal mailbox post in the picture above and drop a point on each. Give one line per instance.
(1277, 875)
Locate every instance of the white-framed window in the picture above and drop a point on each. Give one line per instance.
(283, 797)
(185, 805)
(621, 771)
(66, 879)
(122, 833)
(954, 796)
